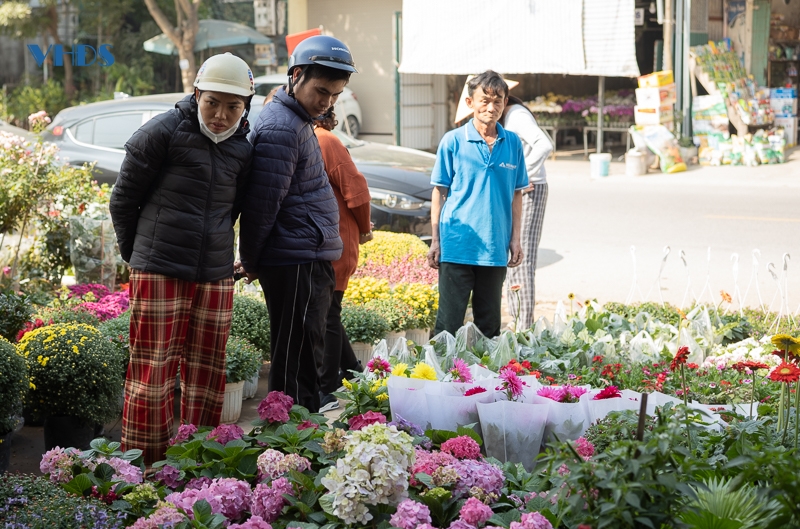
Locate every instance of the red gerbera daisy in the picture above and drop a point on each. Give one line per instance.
(611, 392)
(785, 372)
(680, 358)
(749, 364)
(474, 391)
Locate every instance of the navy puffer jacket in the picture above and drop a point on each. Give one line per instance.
(290, 214)
(178, 195)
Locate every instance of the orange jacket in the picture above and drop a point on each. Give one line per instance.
(352, 194)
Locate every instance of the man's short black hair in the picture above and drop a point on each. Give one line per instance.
(317, 71)
(490, 82)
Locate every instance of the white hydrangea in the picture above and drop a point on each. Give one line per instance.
(374, 470)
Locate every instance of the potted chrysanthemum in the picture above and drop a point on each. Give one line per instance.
(76, 378)
(242, 362)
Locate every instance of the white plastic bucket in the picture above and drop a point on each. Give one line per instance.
(599, 163)
(635, 163)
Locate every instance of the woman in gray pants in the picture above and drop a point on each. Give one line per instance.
(537, 147)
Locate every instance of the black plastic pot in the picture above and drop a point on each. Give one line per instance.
(67, 431)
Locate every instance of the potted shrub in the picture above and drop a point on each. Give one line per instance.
(13, 384)
(399, 315)
(76, 379)
(251, 322)
(364, 326)
(15, 311)
(424, 301)
(242, 362)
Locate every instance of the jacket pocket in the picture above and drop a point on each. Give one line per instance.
(320, 235)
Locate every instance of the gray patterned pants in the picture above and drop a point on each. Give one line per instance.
(533, 205)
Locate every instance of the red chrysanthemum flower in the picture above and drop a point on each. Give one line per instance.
(474, 391)
(680, 358)
(692, 365)
(786, 372)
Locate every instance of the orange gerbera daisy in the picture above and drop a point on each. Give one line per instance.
(785, 372)
(680, 358)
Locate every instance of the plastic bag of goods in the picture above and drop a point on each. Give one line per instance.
(661, 141)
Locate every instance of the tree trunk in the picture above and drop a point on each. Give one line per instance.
(182, 36)
(69, 84)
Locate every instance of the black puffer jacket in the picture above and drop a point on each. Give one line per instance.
(178, 195)
(290, 214)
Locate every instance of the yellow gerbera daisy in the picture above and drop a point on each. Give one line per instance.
(784, 342)
(423, 371)
(346, 383)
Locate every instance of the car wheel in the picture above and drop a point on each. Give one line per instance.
(352, 127)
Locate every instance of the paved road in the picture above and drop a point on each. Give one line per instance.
(590, 226)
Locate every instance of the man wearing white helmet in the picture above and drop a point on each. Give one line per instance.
(177, 197)
(290, 218)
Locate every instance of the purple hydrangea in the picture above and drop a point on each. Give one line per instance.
(268, 501)
(170, 476)
(225, 433)
(410, 514)
(474, 473)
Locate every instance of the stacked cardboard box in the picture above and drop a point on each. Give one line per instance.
(783, 102)
(655, 100)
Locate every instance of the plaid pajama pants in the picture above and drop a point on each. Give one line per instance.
(533, 205)
(174, 321)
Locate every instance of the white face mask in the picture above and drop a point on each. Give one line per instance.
(216, 138)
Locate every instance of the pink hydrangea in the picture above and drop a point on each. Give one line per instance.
(462, 447)
(123, 470)
(410, 514)
(275, 407)
(224, 433)
(481, 474)
(584, 448)
(169, 476)
(427, 463)
(198, 483)
(268, 463)
(365, 419)
(293, 462)
(255, 522)
(475, 512)
(227, 496)
(164, 515)
(58, 463)
(532, 520)
(268, 501)
(460, 524)
(185, 431)
(307, 424)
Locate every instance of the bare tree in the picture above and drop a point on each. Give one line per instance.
(182, 34)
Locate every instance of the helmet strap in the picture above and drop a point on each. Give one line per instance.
(293, 82)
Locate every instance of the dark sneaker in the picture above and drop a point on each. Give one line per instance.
(328, 402)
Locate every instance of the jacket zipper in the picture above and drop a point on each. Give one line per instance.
(208, 207)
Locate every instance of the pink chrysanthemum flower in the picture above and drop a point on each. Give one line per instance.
(379, 366)
(460, 371)
(552, 393)
(512, 384)
(611, 392)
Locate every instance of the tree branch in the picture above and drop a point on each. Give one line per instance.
(163, 23)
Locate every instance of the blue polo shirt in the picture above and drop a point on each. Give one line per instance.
(475, 225)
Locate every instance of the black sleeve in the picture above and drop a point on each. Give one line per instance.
(145, 154)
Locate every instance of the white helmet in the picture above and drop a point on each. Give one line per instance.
(226, 73)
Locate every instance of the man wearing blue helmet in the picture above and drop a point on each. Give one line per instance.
(290, 218)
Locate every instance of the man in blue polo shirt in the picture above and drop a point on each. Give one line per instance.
(476, 209)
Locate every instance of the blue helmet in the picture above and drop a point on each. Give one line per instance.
(322, 50)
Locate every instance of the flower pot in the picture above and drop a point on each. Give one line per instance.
(418, 336)
(31, 418)
(392, 337)
(513, 431)
(232, 405)
(250, 387)
(363, 351)
(67, 431)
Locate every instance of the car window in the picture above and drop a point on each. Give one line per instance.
(265, 88)
(83, 132)
(114, 131)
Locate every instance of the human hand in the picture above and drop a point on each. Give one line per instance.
(516, 254)
(434, 255)
(365, 237)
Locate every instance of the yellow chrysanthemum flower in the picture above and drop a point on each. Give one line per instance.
(400, 370)
(346, 383)
(382, 397)
(423, 371)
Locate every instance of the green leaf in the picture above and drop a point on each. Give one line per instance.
(121, 505)
(469, 432)
(632, 500)
(201, 510)
(248, 465)
(78, 485)
(326, 502)
(131, 455)
(302, 525)
(104, 472)
(424, 478)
